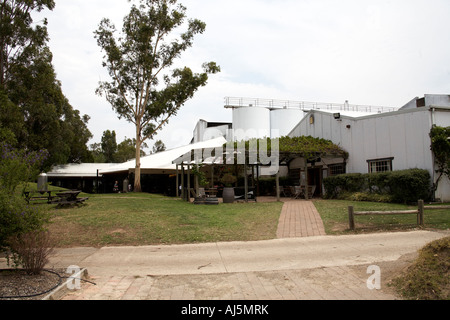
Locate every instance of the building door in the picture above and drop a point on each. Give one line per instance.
(315, 179)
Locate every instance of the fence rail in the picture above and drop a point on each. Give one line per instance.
(419, 212)
(234, 102)
(436, 207)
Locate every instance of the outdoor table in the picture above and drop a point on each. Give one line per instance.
(70, 197)
(29, 197)
(211, 192)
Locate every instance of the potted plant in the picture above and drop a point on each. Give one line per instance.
(200, 175)
(228, 192)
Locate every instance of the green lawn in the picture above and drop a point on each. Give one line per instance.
(334, 214)
(147, 219)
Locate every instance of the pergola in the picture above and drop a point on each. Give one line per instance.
(309, 148)
(214, 156)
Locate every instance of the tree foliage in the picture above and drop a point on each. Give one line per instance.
(142, 89)
(35, 113)
(17, 167)
(440, 145)
(18, 38)
(109, 145)
(108, 151)
(159, 146)
(126, 150)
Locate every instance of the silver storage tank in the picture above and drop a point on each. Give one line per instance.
(251, 122)
(42, 183)
(283, 121)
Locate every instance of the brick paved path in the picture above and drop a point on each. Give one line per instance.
(331, 283)
(299, 218)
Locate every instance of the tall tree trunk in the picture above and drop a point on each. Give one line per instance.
(137, 171)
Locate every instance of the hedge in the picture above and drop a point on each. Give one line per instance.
(403, 186)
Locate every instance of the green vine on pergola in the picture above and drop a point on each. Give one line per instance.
(306, 147)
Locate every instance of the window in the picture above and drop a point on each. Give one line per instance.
(336, 169)
(380, 165)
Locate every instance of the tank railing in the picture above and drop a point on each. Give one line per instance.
(233, 102)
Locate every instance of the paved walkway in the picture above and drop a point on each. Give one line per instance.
(301, 264)
(326, 283)
(299, 218)
(308, 268)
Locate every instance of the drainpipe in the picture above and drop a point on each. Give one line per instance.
(433, 118)
(433, 161)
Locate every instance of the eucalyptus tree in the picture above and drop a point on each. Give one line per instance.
(143, 88)
(109, 145)
(159, 146)
(35, 114)
(19, 34)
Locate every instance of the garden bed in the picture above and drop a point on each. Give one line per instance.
(16, 284)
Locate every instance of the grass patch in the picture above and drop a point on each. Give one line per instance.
(334, 214)
(429, 277)
(148, 219)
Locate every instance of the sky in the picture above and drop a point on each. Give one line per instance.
(380, 53)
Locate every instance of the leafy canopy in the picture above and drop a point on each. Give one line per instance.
(142, 89)
(440, 145)
(18, 37)
(34, 113)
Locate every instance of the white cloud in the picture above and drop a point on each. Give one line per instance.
(369, 52)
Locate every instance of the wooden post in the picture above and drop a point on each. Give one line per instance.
(196, 185)
(177, 191)
(188, 198)
(420, 213)
(306, 180)
(257, 180)
(253, 177)
(183, 192)
(245, 182)
(278, 186)
(212, 175)
(351, 217)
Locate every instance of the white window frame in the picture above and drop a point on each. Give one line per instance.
(380, 165)
(336, 167)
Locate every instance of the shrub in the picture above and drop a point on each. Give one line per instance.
(351, 182)
(17, 217)
(366, 196)
(228, 179)
(428, 278)
(397, 186)
(17, 167)
(409, 185)
(31, 250)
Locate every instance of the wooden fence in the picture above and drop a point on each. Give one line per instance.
(352, 213)
(419, 212)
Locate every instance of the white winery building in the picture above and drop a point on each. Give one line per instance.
(385, 141)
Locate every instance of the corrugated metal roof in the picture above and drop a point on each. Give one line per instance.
(78, 170)
(159, 161)
(163, 160)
